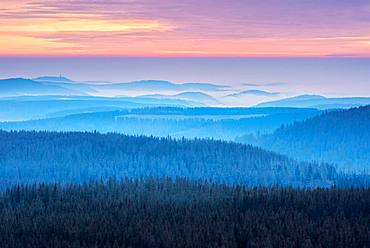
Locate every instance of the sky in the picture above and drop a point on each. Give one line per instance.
(295, 46)
(185, 28)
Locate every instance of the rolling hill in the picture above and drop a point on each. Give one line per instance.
(253, 93)
(197, 97)
(218, 123)
(21, 86)
(23, 108)
(341, 137)
(159, 86)
(55, 79)
(76, 157)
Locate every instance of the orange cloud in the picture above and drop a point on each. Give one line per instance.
(79, 25)
(25, 45)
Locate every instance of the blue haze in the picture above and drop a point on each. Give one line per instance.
(326, 76)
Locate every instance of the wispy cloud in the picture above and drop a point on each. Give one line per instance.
(186, 28)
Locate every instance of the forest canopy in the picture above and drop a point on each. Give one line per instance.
(180, 213)
(75, 157)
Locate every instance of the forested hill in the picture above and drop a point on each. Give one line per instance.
(341, 137)
(70, 157)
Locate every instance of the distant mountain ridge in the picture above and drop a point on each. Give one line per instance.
(153, 91)
(317, 101)
(199, 97)
(51, 85)
(253, 92)
(157, 85)
(30, 107)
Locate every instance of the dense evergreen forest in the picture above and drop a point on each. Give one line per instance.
(74, 157)
(341, 137)
(219, 123)
(180, 213)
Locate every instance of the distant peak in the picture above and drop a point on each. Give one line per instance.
(254, 92)
(258, 92)
(192, 93)
(307, 97)
(53, 79)
(151, 81)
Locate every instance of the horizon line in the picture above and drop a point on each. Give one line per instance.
(367, 56)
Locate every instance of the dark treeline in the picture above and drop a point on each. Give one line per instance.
(341, 137)
(74, 157)
(180, 213)
(197, 122)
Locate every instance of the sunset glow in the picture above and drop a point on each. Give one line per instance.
(165, 28)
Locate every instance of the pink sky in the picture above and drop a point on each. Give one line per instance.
(206, 28)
